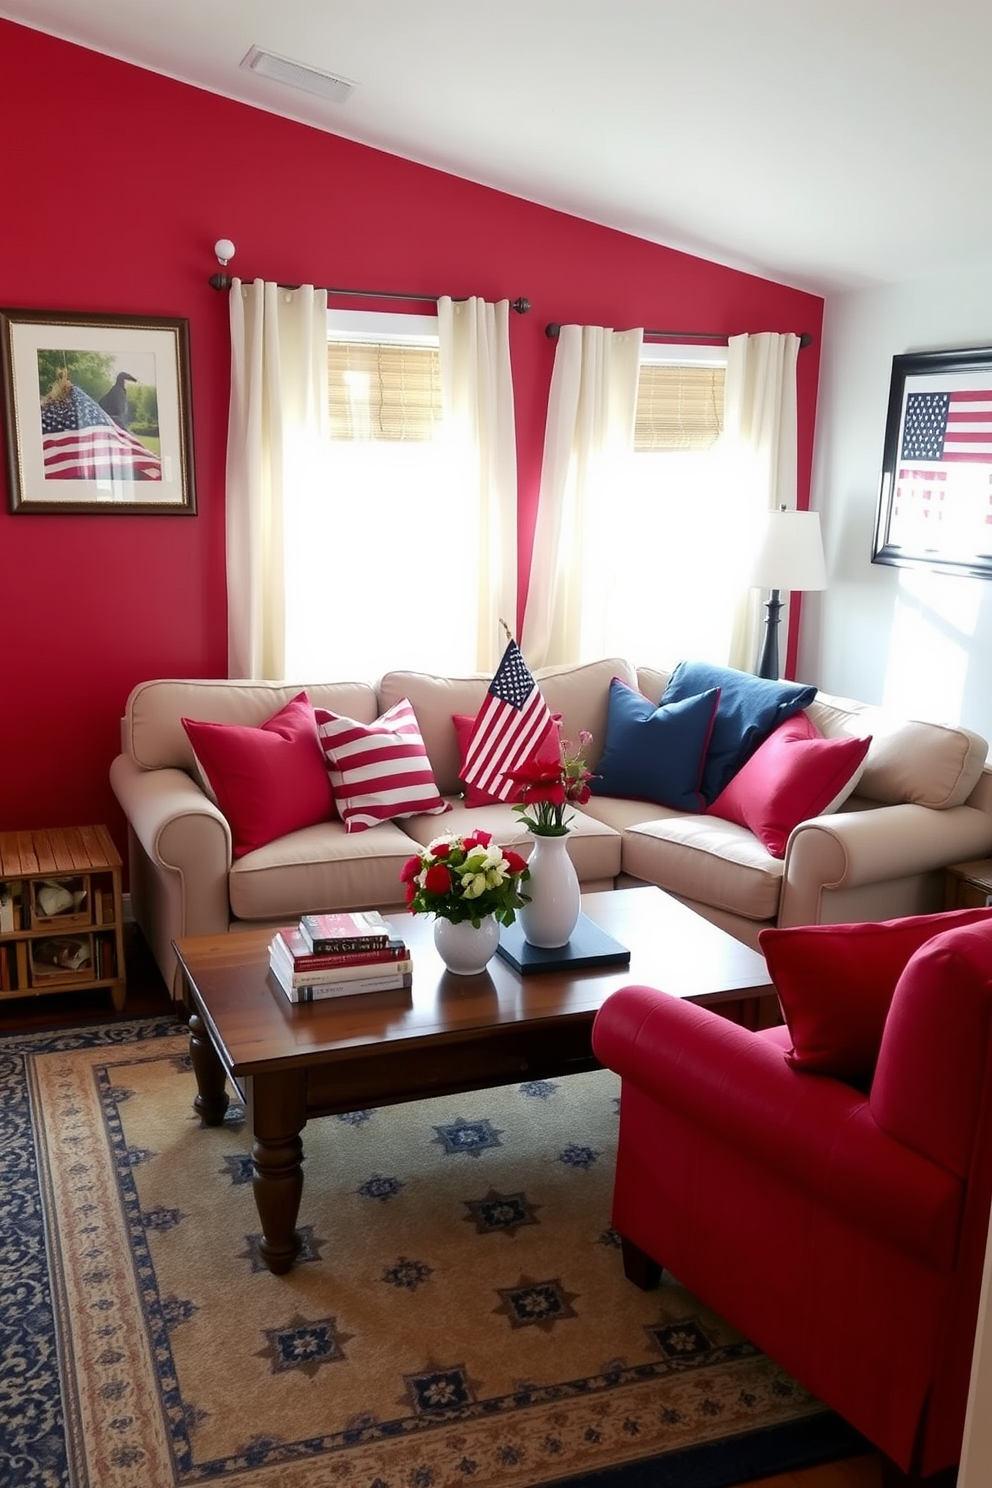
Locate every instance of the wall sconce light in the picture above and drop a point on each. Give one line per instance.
(224, 251)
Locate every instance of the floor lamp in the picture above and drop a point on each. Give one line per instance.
(789, 556)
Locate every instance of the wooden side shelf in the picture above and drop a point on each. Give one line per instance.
(61, 913)
(968, 885)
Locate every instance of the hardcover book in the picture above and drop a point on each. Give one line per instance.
(320, 991)
(588, 945)
(345, 930)
(295, 950)
(331, 969)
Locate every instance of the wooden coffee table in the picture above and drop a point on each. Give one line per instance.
(448, 1033)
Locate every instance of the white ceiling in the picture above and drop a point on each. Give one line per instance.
(828, 144)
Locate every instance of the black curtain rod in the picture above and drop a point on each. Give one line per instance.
(521, 305)
(554, 327)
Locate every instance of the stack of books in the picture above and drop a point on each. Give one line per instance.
(339, 955)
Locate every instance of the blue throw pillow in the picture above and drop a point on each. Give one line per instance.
(655, 753)
(750, 707)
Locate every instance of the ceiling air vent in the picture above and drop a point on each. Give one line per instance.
(296, 75)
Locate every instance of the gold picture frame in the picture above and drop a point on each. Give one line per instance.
(97, 412)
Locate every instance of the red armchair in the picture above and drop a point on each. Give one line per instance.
(826, 1186)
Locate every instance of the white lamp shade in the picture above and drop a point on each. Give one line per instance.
(789, 554)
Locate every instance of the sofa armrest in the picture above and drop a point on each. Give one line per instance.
(815, 1133)
(855, 849)
(184, 843)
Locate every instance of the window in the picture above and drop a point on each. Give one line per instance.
(375, 549)
(666, 551)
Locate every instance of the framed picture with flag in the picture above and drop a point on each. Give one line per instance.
(97, 412)
(935, 496)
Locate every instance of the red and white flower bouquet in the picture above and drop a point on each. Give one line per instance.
(460, 878)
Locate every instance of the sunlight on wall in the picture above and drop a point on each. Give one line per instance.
(933, 627)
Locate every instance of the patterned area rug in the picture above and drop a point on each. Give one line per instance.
(458, 1316)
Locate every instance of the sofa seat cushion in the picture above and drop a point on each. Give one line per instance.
(322, 867)
(593, 846)
(706, 859)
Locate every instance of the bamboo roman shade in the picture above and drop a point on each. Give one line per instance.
(379, 391)
(678, 407)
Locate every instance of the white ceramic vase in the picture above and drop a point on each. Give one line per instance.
(555, 901)
(465, 949)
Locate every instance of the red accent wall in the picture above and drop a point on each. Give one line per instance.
(115, 187)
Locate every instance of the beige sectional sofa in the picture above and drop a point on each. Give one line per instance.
(924, 800)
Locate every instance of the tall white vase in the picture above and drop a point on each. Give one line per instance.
(465, 948)
(555, 901)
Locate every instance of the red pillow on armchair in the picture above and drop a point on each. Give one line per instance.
(835, 984)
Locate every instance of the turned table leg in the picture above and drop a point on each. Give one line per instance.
(212, 1099)
(277, 1113)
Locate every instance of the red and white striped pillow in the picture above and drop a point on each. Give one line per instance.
(378, 770)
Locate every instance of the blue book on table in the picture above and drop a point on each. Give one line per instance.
(588, 945)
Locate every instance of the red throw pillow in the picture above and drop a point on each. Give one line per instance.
(835, 984)
(378, 770)
(793, 775)
(268, 780)
(548, 749)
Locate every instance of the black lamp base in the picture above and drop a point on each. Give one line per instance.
(768, 659)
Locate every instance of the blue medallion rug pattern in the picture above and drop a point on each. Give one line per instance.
(458, 1314)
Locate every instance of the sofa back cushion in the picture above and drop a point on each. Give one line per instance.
(153, 735)
(435, 700)
(926, 764)
(580, 694)
(268, 781)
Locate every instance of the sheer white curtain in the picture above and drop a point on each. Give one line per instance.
(477, 397)
(276, 430)
(759, 437)
(588, 437)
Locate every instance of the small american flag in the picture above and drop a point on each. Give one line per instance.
(81, 442)
(511, 723)
(948, 426)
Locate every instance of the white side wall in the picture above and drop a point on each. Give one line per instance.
(917, 641)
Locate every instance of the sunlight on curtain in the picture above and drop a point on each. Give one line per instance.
(381, 577)
(667, 591)
(477, 394)
(588, 437)
(403, 554)
(277, 419)
(760, 436)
